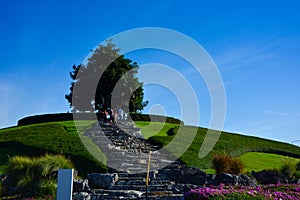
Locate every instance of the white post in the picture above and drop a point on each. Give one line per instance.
(64, 184)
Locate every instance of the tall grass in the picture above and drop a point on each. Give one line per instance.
(36, 176)
(298, 166)
(288, 167)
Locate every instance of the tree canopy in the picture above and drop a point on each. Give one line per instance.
(106, 80)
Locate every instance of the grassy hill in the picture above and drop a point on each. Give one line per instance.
(228, 143)
(53, 138)
(62, 138)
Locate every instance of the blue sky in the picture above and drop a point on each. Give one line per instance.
(255, 45)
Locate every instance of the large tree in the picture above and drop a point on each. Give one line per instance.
(106, 77)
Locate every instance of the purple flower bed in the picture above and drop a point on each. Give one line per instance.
(49, 197)
(272, 192)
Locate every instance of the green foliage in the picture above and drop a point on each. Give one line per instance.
(36, 176)
(106, 67)
(297, 174)
(227, 164)
(298, 166)
(288, 168)
(47, 186)
(49, 163)
(172, 131)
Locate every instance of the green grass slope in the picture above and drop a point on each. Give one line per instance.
(257, 161)
(53, 138)
(62, 138)
(150, 129)
(228, 143)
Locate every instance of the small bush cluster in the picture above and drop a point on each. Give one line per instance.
(274, 192)
(298, 166)
(172, 131)
(227, 164)
(35, 176)
(290, 169)
(297, 173)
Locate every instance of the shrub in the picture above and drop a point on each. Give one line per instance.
(47, 187)
(220, 163)
(49, 164)
(227, 164)
(297, 174)
(298, 166)
(288, 168)
(172, 131)
(236, 166)
(36, 176)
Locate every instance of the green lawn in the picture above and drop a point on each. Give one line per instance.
(256, 161)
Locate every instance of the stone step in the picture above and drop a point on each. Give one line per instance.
(137, 169)
(142, 187)
(143, 182)
(121, 155)
(162, 197)
(141, 158)
(120, 175)
(107, 197)
(164, 181)
(111, 196)
(124, 175)
(132, 165)
(131, 182)
(106, 194)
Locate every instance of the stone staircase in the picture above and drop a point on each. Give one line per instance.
(126, 149)
(127, 155)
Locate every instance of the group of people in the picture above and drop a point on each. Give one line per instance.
(111, 116)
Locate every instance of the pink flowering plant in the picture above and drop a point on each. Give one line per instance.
(269, 192)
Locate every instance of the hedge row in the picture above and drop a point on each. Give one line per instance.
(52, 118)
(90, 116)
